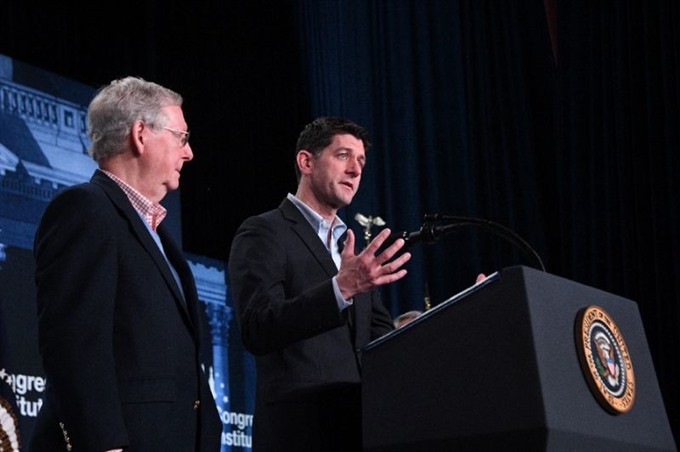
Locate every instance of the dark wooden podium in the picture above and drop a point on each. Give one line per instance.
(498, 367)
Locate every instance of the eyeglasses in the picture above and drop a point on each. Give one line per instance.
(181, 134)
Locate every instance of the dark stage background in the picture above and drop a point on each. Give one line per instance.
(559, 119)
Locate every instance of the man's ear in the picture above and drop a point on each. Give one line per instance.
(138, 137)
(304, 161)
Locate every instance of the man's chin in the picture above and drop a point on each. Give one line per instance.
(171, 186)
(344, 201)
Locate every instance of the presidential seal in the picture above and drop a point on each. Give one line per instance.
(605, 360)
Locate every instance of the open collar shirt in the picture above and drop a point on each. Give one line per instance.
(329, 233)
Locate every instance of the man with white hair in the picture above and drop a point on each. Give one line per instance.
(118, 312)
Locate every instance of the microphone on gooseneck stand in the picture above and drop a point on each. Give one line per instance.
(428, 233)
(438, 225)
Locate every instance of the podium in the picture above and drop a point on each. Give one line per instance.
(505, 366)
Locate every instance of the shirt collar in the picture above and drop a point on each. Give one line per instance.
(152, 212)
(318, 222)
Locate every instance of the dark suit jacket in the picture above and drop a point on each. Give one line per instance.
(118, 340)
(307, 351)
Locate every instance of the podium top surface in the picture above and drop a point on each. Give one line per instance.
(439, 307)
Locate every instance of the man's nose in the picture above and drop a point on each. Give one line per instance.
(188, 152)
(354, 167)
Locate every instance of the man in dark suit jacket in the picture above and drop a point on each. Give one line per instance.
(305, 307)
(118, 312)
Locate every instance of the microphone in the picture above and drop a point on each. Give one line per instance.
(438, 225)
(428, 233)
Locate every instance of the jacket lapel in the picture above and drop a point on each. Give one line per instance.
(121, 201)
(175, 255)
(304, 230)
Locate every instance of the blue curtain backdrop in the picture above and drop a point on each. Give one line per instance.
(457, 111)
(475, 111)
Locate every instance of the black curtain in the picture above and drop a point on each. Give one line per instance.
(565, 131)
(617, 163)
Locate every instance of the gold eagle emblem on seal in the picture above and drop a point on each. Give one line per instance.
(605, 360)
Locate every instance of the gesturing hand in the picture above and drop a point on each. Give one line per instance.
(365, 271)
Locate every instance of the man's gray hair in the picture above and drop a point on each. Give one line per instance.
(117, 106)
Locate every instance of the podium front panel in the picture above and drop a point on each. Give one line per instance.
(497, 368)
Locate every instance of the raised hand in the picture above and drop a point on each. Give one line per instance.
(365, 271)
